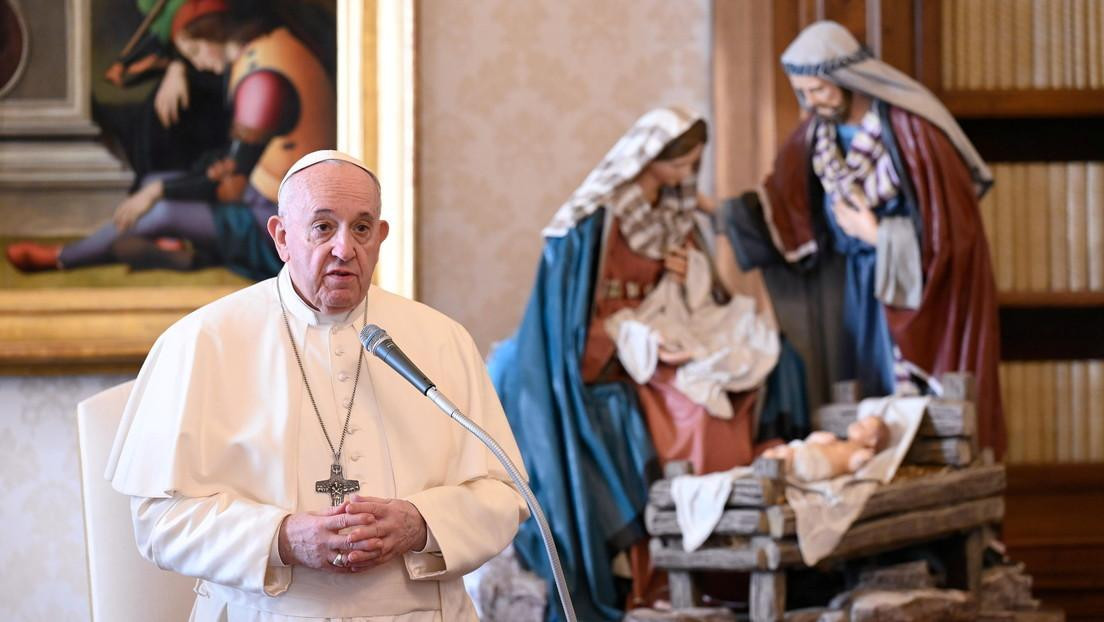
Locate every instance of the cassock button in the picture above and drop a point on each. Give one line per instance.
(343, 376)
(353, 429)
(339, 351)
(354, 457)
(345, 404)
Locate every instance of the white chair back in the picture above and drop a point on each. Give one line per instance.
(123, 586)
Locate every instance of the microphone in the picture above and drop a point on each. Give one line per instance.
(378, 342)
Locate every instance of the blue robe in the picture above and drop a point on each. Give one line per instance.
(867, 351)
(586, 447)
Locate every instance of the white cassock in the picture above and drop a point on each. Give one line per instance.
(219, 443)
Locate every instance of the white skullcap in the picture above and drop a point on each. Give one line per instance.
(322, 155)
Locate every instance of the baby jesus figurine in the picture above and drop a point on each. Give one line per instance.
(823, 456)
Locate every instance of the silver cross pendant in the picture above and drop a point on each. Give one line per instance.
(337, 486)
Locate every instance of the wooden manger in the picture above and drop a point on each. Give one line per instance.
(756, 533)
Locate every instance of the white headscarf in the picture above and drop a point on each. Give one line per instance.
(828, 50)
(636, 149)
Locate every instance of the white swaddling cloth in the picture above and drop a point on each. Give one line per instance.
(700, 501)
(825, 510)
(733, 347)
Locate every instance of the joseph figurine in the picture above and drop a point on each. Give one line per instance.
(868, 230)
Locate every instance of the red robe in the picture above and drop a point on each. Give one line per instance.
(956, 326)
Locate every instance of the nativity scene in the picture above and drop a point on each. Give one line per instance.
(712, 310)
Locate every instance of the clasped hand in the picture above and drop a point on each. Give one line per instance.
(857, 221)
(675, 262)
(368, 531)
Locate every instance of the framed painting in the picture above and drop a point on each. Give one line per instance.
(64, 169)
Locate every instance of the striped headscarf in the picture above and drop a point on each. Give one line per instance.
(865, 176)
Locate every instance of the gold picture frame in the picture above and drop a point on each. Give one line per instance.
(57, 331)
(86, 330)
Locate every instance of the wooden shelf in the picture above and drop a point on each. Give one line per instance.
(1025, 103)
(1036, 139)
(1056, 332)
(1050, 299)
(1049, 523)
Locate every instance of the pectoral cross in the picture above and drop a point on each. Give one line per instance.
(337, 486)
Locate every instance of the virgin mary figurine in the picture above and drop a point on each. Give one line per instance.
(631, 354)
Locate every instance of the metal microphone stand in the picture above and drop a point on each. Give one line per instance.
(376, 341)
(451, 410)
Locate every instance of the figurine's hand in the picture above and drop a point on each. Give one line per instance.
(675, 262)
(667, 353)
(857, 222)
(821, 437)
(672, 357)
(859, 458)
(132, 208)
(779, 452)
(172, 94)
(706, 204)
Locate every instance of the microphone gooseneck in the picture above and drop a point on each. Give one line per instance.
(377, 342)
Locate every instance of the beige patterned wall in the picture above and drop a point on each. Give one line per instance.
(518, 100)
(43, 572)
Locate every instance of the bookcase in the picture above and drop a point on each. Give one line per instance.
(1025, 79)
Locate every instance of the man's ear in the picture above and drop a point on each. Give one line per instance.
(278, 232)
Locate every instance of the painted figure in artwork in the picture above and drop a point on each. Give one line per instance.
(868, 230)
(631, 354)
(181, 121)
(283, 106)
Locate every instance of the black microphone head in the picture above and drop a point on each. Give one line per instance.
(372, 336)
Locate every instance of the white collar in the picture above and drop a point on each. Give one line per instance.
(303, 312)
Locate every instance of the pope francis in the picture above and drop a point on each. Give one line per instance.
(296, 477)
